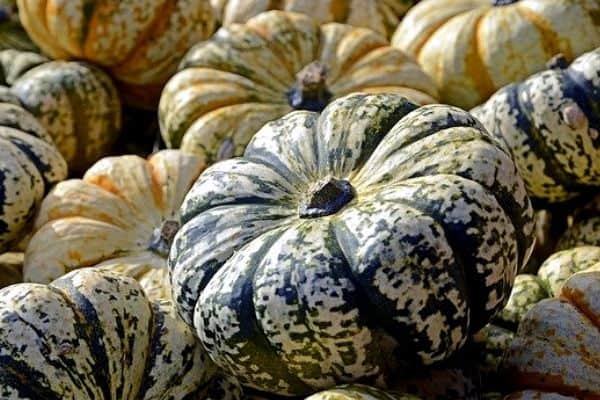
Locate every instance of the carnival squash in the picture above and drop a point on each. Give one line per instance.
(29, 165)
(561, 265)
(77, 103)
(585, 230)
(246, 75)
(342, 245)
(551, 124)
(94, 335)
(139, 41)
(527, 290)
(557, 346)
(471, 48)
(381, 16)
(119, 216)
(359, 392)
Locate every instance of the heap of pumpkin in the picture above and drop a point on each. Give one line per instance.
(325, 222)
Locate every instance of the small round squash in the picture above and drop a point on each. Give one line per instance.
(246, 75)
(551, 124)
(381, 16)
(94, 335)
(29, 165)
(557, 346)
(139, 41)
(120, 216)
(561, 265)
(471, 48)
(351, 244)
(527, 290)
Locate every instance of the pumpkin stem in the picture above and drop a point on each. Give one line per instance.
(498, 3)
(559, 61)
(310, 92)
(162, 237)
(326, 197)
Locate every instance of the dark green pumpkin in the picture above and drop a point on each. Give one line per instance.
(551, 124)
(351, 244)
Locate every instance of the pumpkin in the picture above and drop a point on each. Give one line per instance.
(94, 335)
(76, 102)
(11, 265)
(550, 125)
(334, 250)
(15, 63)
(141, 54)
(118, 216)
(585, 229)
(359, 392)
(246, 75)
(12, 34)
(29, 166)
(380, 16)
(557, 346)
(471, 48)
(559, 267)
(527, 290)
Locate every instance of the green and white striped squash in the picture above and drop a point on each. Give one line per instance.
(94, 335)
(77, 103)
(561, 265)
(29, 165)
(557, 345)
(527, 290)
(228, 87)
(359, 392)
(551, 124)
(342, 244)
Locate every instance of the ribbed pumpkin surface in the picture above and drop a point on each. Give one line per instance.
(231, 85)
(94, 335)
(551, 124)
(471, 48)
(113, 217)
(342, 245)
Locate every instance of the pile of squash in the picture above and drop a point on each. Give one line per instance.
(299, 199)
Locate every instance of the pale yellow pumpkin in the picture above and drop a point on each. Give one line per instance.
(471, 48)
(119, 217)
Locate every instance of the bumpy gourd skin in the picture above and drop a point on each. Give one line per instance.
(290, 303)
(112, 218)
(139, 41)
(231, 85)
(551, 125)
(29, 166)
(94, 335)
(381, 16)
(471, 48)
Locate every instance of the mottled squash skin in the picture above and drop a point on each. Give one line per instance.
(471, 48)
(561, 265)
(337, 241)
(527, 290)
(113, 218)
(557, 346)
(551, 124)
(94, 335)
(246, 75)
(381, 16)
(139, 41)
(29, 165)
(585, 230)
(359, 392)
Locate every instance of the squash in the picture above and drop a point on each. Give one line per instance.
(585, 230)
(551, 124)
(141, 54)
(29, 166)
(471, 48)
(560, 266)
(527, 290)
(557, 346)
(359, 392)
(11, 266)
(120, 216)
(381, 16)
(12, 34)
(94, 335)
(76, 102)
(246, 75)
(489, 345)
(334, 250)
